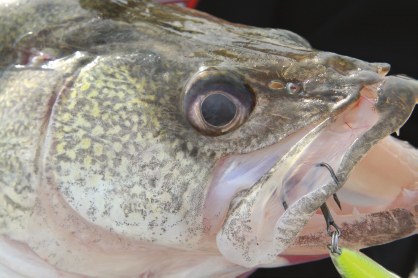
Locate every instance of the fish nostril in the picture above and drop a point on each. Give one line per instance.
(381, 68)
(275, 84)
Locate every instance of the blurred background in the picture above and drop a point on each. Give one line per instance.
(373, 31)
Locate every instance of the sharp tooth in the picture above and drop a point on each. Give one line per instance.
(355, 211)
(398, 132)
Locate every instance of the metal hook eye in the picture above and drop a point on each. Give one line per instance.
(338, 230)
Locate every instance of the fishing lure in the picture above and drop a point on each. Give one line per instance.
(353, 264)
(348, 262)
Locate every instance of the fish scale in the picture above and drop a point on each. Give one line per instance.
(21, 163)
(110, 156)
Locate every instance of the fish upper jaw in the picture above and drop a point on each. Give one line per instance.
(255, 228)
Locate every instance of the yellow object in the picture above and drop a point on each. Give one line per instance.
(353, 264)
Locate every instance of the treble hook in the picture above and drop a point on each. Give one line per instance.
(329, 220)
(324, 208)
(326, 165)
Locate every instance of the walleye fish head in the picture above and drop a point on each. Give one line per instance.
(178, 130)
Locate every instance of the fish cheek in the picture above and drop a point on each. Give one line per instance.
(113, 158)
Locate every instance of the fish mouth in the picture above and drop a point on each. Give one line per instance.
(244, 206)
(370, 214)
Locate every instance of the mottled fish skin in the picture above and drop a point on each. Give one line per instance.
(101, 120)
(95, 145)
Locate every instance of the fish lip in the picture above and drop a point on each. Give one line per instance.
(292, 221)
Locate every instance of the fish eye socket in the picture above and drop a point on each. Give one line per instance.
(217, 102)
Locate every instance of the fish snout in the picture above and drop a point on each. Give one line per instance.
(381, 68)
(345, 65)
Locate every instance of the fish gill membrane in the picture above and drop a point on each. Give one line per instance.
(103, 175)
(257, 229)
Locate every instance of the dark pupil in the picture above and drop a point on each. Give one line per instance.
(218, 110)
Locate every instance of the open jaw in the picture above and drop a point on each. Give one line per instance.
(244, 207)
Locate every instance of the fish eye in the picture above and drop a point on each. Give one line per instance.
(217, 102)
(218, 110)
